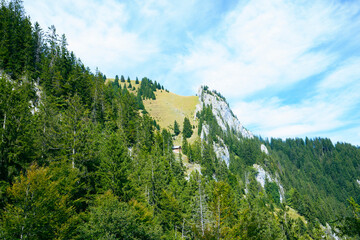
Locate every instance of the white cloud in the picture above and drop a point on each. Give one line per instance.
(258, 46)
(96, 32)
(347, 74)
(265, 44)
(333, 109)
(268, 46)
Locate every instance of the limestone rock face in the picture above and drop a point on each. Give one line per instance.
(220, 149)
(261, 177)
(222, 112)
(264, 149)
(222, 152)
(224, 117)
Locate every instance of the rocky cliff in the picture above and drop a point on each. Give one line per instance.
(224, 117)
(221, 110)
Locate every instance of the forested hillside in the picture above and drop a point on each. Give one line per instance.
(81, 158)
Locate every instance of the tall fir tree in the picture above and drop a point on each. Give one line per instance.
(176, 128)
(187, 128)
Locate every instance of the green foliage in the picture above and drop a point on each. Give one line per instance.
(316, 164)
(17, 128)
(114, 165)
(272, 190)
(17, 48)
(223, 207)
(116, 84)
(39, 208)
(350, 225)
(187, 129)
(176, 128)
(185, 147)
(110, 219)
(82, 162)
(146, 90)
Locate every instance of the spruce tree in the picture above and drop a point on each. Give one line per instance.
(187, 129)
(176, 128)
(116, 82)
(122, 78)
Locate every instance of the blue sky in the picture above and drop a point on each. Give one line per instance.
(288, 68)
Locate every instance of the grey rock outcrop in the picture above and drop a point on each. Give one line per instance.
(222, 112)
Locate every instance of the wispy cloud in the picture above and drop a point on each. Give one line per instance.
(253, 52)
(272, 46)
(97, 32)
(266, 44)
(331, 112)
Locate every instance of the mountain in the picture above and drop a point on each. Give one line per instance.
(88, 157)
(290, 168)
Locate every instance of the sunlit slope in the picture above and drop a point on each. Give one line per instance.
(134, 86)
(169, 107)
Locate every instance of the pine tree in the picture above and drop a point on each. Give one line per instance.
(222, 207)
(176, 128)
(17, 128)
(128, 79)
(122, 78)
(114, 165)
(137, 80)
(187, 128)
(116, 84)
(75, 125)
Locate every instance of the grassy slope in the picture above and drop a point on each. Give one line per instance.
(169, 107)
(125, 83)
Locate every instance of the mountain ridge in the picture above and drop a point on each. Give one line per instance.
(92, 162)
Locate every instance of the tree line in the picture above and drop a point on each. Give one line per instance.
(81, 158)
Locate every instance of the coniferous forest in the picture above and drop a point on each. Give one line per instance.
(80, 158)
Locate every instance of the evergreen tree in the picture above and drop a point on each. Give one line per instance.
(17, 128)
(128, 79)
(222, 208)
(122, 78)
(108, 171)
(350, 226)
(176, 128)
(116, 83)
(137, 80)
(187, 129)
(76, 135)
(114, 165)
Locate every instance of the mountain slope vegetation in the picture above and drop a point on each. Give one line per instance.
(82, 157)
(169, 107)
